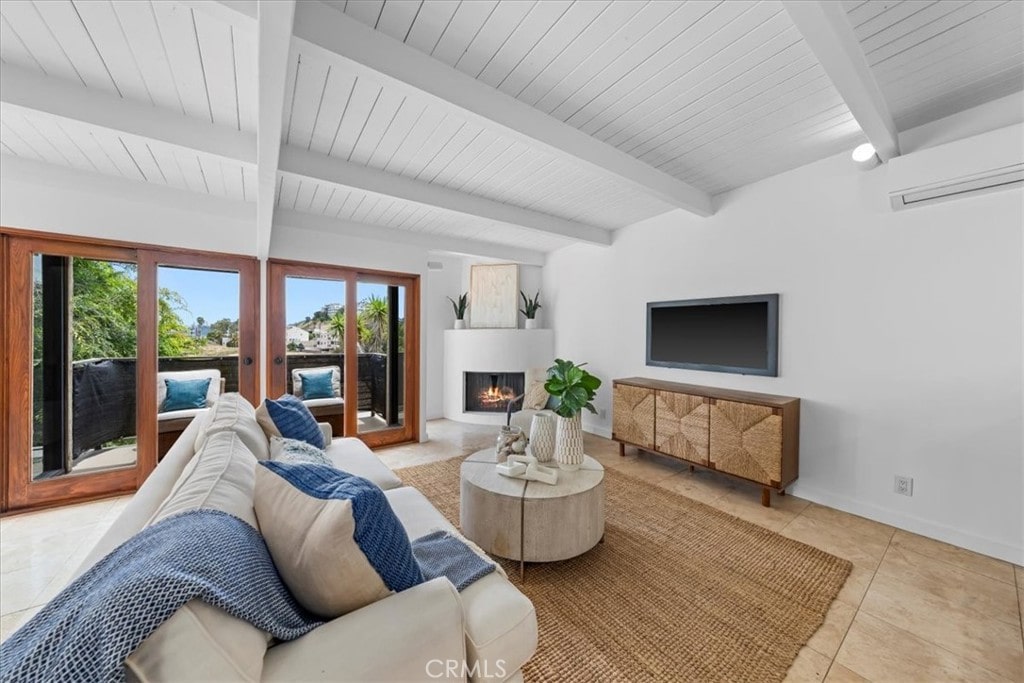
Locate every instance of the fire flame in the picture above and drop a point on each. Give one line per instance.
(492, 396)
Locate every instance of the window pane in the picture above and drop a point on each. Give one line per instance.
(381, 320)
(84, 358)
(197, 344)
(315, 339)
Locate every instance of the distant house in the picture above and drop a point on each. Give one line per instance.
(331, 309)
(296, 335)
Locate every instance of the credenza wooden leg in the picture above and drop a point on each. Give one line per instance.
(622, 450)
(782, 492)
(692, 468)
(766, 497)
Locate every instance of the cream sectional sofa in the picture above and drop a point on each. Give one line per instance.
(429, 632)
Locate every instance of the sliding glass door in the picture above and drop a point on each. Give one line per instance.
(361, 328)
(91, 333)
(72, 349)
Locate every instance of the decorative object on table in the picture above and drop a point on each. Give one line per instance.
(460, 308)
(542, 438)
(494, 289)
(527, 467)
(529, 309)
(574, 388)
(511, 441)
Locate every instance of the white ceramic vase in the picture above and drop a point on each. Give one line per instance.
(542, 437)
(530, 324)
(568, 442)
(460, 324)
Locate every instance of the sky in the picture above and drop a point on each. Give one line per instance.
(214, 294)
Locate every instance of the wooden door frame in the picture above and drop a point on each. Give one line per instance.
(24, 494)
(278, 270)
(22, 490)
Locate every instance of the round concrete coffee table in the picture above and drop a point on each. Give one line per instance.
(527, 520)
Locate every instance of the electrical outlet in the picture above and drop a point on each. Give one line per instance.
(904, 486)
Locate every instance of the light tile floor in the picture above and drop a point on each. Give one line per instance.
(913, 609)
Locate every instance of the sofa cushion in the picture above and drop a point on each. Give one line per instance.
(232, 413)
(293, 450)
(199, 641)
(333, 536)
(501, 623)
(352, 455)
(293, 420)
(220, 477)
(185, 394)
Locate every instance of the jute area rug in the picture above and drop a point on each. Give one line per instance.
(679, 591)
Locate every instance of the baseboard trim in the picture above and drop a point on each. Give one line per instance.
(916, 525)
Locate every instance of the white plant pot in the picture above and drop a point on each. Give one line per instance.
(460, 324)
(568, 442)
(542, 438)
(530, 324)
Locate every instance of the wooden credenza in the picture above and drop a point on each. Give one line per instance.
(752, 436)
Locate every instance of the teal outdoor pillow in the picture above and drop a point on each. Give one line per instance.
(185, 394)
(317, 384)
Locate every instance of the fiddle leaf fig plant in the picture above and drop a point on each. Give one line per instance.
(460, 306)
(530, 306)
(574, 387)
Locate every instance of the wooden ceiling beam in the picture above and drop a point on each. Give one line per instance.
(306, 165)
(74, 102)
(827, 30)
(441, 243)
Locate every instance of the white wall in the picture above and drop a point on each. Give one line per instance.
(438, 317)
(900, 332)
(45, 197)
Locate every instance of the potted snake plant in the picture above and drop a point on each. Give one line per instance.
(529, 309)
(460, 307)
(575, 389)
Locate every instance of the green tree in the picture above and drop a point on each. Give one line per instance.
(337, 325)
(173, 337)
(103, 309)
(373, 316)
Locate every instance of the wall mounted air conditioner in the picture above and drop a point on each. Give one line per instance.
(982, 163)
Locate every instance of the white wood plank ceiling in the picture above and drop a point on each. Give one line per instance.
(712, 94)
(935, 58)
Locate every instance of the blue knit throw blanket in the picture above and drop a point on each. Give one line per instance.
(90, 628)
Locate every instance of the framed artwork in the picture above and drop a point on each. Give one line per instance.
(494, 295)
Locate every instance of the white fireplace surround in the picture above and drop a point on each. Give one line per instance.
(489, 351)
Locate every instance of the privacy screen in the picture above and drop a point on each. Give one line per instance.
(738, 336)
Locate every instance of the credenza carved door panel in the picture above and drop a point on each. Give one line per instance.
(681, 423)
(633, 415)
(746, 440)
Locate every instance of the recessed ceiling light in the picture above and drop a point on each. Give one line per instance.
(863, 152)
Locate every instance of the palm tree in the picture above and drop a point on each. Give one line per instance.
(373, 314)
(337, 325)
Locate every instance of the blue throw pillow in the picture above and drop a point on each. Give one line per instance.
(317, 384)
(293, 419)
(334, 538)
(185, 394)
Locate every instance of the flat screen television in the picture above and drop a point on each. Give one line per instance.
(727, 334)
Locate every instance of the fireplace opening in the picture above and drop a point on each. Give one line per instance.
(490, 392)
